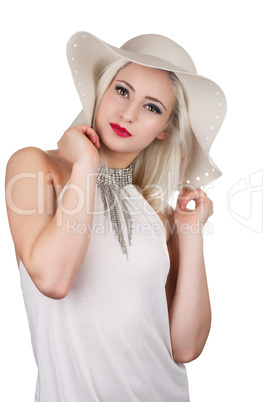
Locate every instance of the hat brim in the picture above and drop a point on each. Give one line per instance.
(88, 56)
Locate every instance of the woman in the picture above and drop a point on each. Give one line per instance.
(113, 278)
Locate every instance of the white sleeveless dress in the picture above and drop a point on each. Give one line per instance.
(108, 340)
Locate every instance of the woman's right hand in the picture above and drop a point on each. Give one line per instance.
(79, 142)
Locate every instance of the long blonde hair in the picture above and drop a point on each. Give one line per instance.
(159, 169)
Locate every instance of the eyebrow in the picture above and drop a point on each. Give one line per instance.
(146, 97)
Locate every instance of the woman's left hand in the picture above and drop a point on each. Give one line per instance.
(192, 221)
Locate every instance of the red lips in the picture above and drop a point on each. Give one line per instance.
(120, 131)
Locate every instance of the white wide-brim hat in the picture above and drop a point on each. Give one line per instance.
(206, 102)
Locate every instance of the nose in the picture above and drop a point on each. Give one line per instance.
(130, 112)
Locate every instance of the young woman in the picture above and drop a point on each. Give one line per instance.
(113, 278)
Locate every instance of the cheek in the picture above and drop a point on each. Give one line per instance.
(154, 126)
(96, 123)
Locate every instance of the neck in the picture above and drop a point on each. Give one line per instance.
(115, 160)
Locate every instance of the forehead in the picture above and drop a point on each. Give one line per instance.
(149, 80)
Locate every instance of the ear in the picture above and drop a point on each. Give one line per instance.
(162, 136)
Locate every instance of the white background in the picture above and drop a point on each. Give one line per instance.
(228, 42)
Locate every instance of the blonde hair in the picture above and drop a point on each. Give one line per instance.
(159, 169)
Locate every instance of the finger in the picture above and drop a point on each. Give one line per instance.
(91, 135)
(86, 129)
(196, 195)
(185, 196)
(183, 201)
(94, 138)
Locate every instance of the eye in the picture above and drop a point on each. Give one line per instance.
(122, 91)
(153, 108)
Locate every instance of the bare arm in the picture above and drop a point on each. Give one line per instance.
(51, 253)
(187, 290)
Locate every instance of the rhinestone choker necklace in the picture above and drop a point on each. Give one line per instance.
(111, 183)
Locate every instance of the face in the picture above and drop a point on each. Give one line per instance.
(134, 111)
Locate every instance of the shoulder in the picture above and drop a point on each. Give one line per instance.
(26, 163)
(29, 159)
(33, 161)
(167, 217)
(172, 238)
(26, 156)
